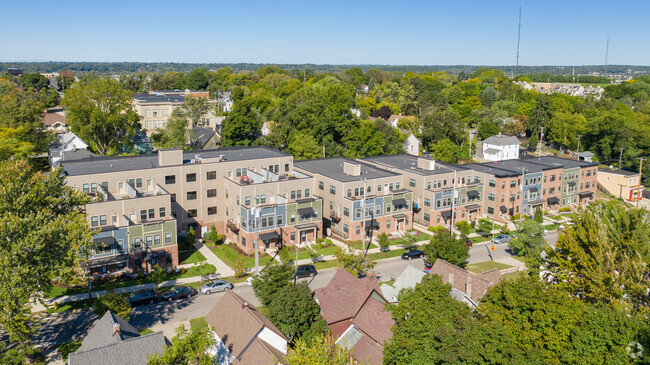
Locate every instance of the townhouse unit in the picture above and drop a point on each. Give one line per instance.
(359, 199)
(433, 184)
(156, 107)
(578, 179)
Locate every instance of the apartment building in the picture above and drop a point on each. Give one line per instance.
(155, 107)
(503, 190)
(433, 184)
(579, 179)
(359, 199)
(622, 184)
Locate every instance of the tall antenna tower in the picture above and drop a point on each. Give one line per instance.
(606, 53)
(518, 40)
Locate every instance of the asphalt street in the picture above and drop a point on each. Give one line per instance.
(481, 252)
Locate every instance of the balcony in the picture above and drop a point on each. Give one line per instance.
(335, 216)
(232, 226)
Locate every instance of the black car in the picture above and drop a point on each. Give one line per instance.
(180, 292)
(304, 271)
(412, 254)
(143, 297)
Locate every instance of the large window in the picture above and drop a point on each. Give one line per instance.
(212, 193)
(161, 212)
(94, 222)
(143, 214)
(211, 175)
(412, 183)
(190, 177)
(168, 237)
(170, 179)
(191, 213)
(427, 202)
(191, 195)
(306, 193)
(156, 239)
(152, 213)
(346, 212)
(212, 210)
(102, 220)
(332, 189)
(426, 217)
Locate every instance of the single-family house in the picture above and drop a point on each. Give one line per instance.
(66, 142)
(113, 341)
(407, 279)
(354, 311)
(266, 128)
(411, 145)
(204, 139)
(244, 335)
(466, 286)
(500, 147)
(55, 121)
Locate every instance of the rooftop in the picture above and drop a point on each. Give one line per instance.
(566, 163)
(409, 163)
(501, 140)
(618, 172)
(158, 98)
(107, 164)
(333, 167)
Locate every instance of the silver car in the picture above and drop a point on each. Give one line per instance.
(502, 238)
(215, 286)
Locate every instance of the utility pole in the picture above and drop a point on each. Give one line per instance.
(620, 159)
(606, 53)
(323, 151)
(255, 215)
(640, 191)
(541, 136)
(453, 198)
(579, 135)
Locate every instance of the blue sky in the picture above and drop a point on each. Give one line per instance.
(327, 32)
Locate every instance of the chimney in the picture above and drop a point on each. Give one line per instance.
(426, 164)
(116, 328)
(245, 305)
(468, 287)
(451, 279)
(351, 168)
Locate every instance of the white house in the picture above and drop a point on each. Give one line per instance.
(67, 142)
(412, 145)
(500, 147)
(266, 128)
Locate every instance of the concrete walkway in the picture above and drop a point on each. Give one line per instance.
(222, 269)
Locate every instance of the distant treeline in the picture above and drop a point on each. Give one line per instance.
(119, 68)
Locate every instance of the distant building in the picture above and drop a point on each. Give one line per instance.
(15, 72)
(586, 156)
(55, 121)
(622, 184)
(142, 145)
(224, 101)
(156, 107)
(500, 147)
(412, 145)
(204, 139)
(567, 89)
(466, 287)
(266, 128)
(67, 142)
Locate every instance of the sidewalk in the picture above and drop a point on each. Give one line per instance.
(222, 269)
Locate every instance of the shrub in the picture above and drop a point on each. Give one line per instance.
(328, 242)
(516, 217)
(473, 224)
(285, 255)
(319, 240)
(539, 217)
(565, 209)
(383, 242)
(240, 270)
(436, 229)
(116, 303)
(463, 227)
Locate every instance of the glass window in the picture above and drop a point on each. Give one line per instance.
(286, 167)
(102, 220)
(191, 213)
(412, 183)
(358, 229)
(168, 237)
(212, 210)
(247, 200)
(152, 213)
(426, 217)
(346, 212)
(172, 197)
(263, 198)
(293, 218)
(212, 193)
(349, 193)
(211, 175)
(138, 182)
(345, 228)
(93, 187)
(293, 236)
(298, 194)
(321, 185)
(143, 214)
(94, 221)
(105, 185)
(86, 188)
(191, 195)
(293, 194)
(379, 187)
(148, 240)
(306, 193)
(170, 179)
(332, 189)
(190, 177)
(279, 220)
(156, 239)
(161, 212)
(387, 224)
(119, 245)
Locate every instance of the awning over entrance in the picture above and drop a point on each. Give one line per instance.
(309, 211)
(472, 193)
(553, 200)
(371, 223)
(503, 209)
(399, 216)
(586, 194)
(269, 236)
(472, 207)
(446, 214)
(154, 254)
(533, 190)
(104, 241)
(400, 201)
(302, 227)
(105, 261)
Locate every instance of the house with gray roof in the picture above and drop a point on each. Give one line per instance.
(409, 278)
(113, 341)
(500, 147)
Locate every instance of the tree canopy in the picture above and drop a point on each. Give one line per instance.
(446, 246)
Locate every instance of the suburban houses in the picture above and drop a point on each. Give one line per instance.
(500, 147)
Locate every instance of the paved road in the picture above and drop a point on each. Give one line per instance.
(480, 252)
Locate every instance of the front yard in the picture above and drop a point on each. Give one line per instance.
(229, 256)
(480, 267)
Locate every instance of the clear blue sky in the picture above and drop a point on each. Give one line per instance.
(426, 32)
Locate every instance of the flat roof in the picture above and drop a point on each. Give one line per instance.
(409, 163)
(149, 98)
(557, 162)
(333, 167)
(106, 164)
(517, 165)
(618, 172)
(495, 170)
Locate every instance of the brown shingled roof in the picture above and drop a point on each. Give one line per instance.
(344, 295)
(238, 324)
(367, 351)
(373, 320)
(479, 283)
(51, 118)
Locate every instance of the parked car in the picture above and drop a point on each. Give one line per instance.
(502, 238)
(143, 297)
(180, 292)
(427, 266)
(304, 271)
(215, 286)
(412, 254)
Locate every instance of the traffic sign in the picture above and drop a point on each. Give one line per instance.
(492, 248)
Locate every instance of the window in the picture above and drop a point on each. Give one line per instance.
(390, 187)
(298, 194)
(102, 220)
(428, 184)
(94, 221)
(286, 168)
(138, 182)
(247, 200)
(93, 187)
(412, 183)
(293, 236)
(502, 198)
(212, 210)
(243, 241)
(503, 184)
(513, 183)
(238, 173)
(427, 202)
(388, 208)
(345, 228)
(172, 197)
(332, 189)
(379, 187)
(387, 224)
(190, 177)
(358, 229)
(161, 212)
(306, 193)
(293, 218)
(321, 185)
(105, 185)
(357, 214)
(191, 195)
(168, 237)
(356, 191)
(346, 212)
(378, 210)
(156, 239)
(148, 241)
(349, 194)
(492, 183)
(191, 213)
(490, 210)
(279, 219)
(212, 193)
(263, 199)
(426, 217)
(86, 188)
(152, 213)
(143, 214)
(397, 186)
(170, 179)
(211, 175)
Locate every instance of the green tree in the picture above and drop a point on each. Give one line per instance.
(198, 79)
(604, 257)
(15, 142)
(445, 246)
(488, 96)
(33, 81)
(320, 350)
(355, 263)
(446, 151)
(295, 312)
(243, 127)
(22, 110)
(65, 79)
(175, 134)
(188, 347)
(100, 113)
(485, 226)
(303, 147)
(158, 275)
(274, 277)
(43, 231)
(116, 303)
(529, 242)
(539, 216)
(383, 242)
(195, 108)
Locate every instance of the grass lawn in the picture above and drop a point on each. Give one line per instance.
(385, 255)
(198, 323)
(145, 331)
(514, 276)
(69, 306)
(480, 239)
(389, 282)
(520, 258)
(485, 266)
(191, 257)
(325, 264)
(229, 256)
(67, 348)
(556, 217)
(329, 250)
(360, 246)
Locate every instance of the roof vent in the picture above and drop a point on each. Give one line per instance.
(245, 305)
